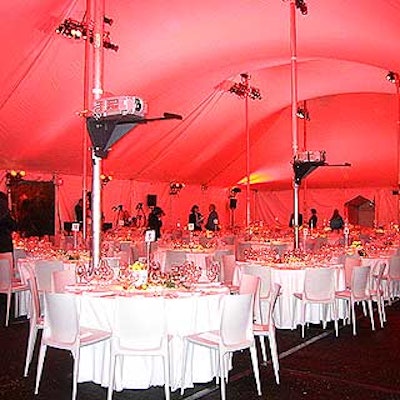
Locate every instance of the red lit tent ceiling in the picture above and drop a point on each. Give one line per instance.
(181, 56)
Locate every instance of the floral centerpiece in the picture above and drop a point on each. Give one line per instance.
(357, 247)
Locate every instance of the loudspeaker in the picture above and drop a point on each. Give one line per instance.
(232, 203)
(107, 226)
(67, 226)
(151, 200)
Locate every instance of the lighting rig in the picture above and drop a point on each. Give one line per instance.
(303, 113)
(14, 176)
(243, 89)
(302, 6)
(175, 188)
(77, 30)
(105, 179)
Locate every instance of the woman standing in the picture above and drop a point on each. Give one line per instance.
(7, 225)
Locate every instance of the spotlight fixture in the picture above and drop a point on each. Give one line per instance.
(234, 191)
(14, 176)
(74, 29)
(303, 113)
(243, 89)
(302, 6)
(175, 188)
(105, 179)
(392, 77)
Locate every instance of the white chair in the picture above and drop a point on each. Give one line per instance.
(250, 284)
(8, 285)
(267, 329)
(228, 265)
(35, 314)
(139, 329)
(393, 277)
(358, 292)
(319, 288)
(43, 273)
(235, 333)
(63, 331)
(61, 279)
(350, 262)
(376, 290)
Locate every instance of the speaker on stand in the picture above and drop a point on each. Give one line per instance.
(232, 207)
(151, 200)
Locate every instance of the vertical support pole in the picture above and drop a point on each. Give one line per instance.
(293, 74)
(97, 91)
(87, 105)
(398, 144)
(248, 200)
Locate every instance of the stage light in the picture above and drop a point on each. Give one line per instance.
(105, 179)
(303, 113)
(302, 6)
(175, 188)
(74, 29)
(243, 89)
(14, 176)
(392, 77)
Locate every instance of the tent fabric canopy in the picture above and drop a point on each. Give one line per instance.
(182, 56)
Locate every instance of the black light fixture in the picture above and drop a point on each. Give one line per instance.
(14, 176)
(303, 113)
(243, 89)
(302, 6)
(74, 29)
(175, 188)
(392, 77)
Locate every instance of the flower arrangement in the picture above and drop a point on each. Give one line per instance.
(356, 247)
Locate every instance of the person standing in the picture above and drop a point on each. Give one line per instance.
(336, 222)
(155, 222)
(196, 218)
(7, 225)
(212, 223)
(312, 222)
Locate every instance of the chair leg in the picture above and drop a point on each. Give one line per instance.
(8, 308)
(274, 356)
(371, 314)
(31, 345)
(222, 374)
(111, 377)
(380, 312)
(263, 349)
(303, 318)
(353, 317)
(383, 308)
(254, 361)
(335, 317)
(75, 373)
(42, 355)
(166, 376)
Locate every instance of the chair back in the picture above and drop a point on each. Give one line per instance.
(264, 273)
(5, 275)
(43, 272)
(228, 262)
(61, 279)
(250, 284)
(319, 284)
(360, 280)
(394, 268)
(8, 256)
(35, 308)
(349, 264)
(61, 321)
(139, 322)
(237, 319)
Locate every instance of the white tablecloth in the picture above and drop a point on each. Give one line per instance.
(185, 315)
(292, 281)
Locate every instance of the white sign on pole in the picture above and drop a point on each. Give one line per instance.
(150, 236)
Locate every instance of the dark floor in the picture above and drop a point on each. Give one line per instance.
(365, 367)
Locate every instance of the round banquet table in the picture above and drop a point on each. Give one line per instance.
(185, 315)
(291, 280)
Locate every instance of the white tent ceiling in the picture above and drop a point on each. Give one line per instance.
(181, 56)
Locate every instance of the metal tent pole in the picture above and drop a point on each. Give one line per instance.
(293, 70)
(97, 91)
